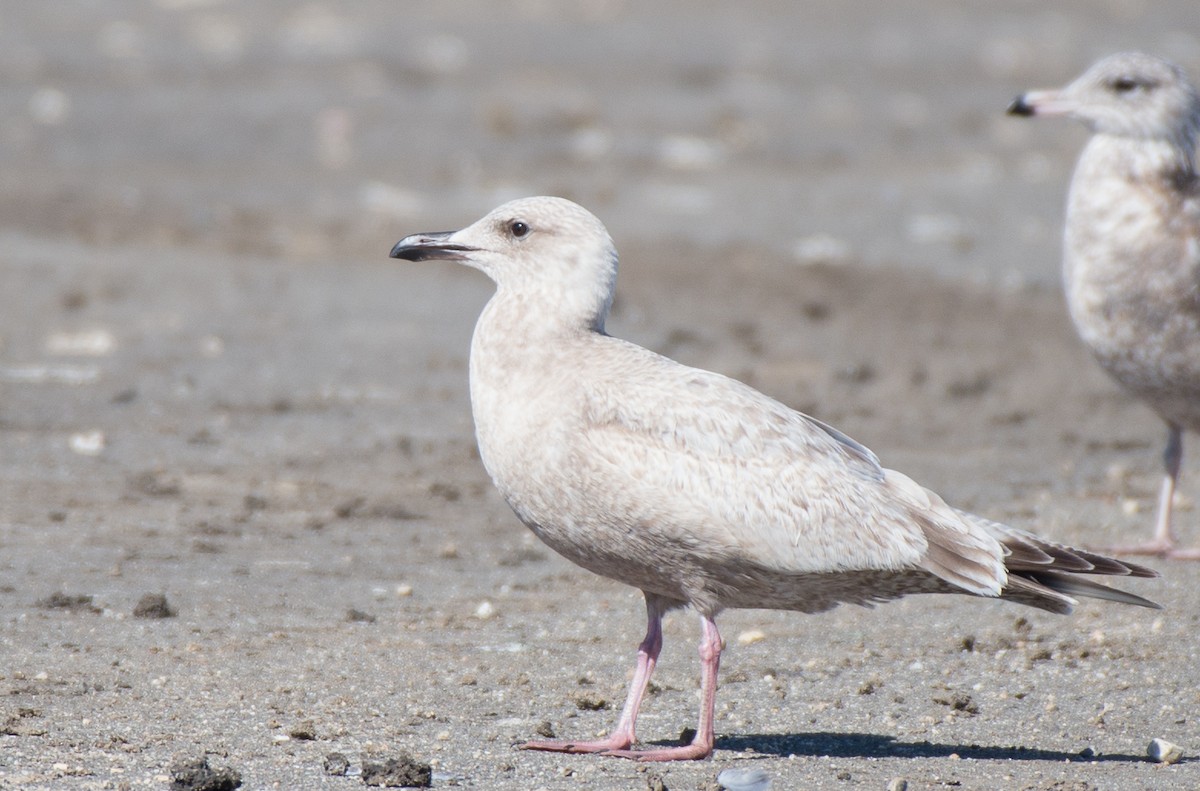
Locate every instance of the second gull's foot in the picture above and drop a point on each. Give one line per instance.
(1155, 548)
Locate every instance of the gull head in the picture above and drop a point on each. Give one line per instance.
(549, 252)
(1125, 95)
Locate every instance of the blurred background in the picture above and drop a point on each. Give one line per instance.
(850, 131)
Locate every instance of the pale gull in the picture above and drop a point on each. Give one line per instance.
(1131, 260)
(694, 487)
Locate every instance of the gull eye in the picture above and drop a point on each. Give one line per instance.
(518, 229)
(1127, 84)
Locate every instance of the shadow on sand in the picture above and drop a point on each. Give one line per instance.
(872, 745)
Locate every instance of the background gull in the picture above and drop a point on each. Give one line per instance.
(691, 486)
(1132, 243)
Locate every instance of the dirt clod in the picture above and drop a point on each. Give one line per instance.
(65, 601)
(154, 483)
(305, 731)
(153, 605)
(959, 701)
(192, 773)
(17, 724)
(590, 701)
(403, 771)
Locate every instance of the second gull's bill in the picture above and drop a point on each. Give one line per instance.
(1131, 261)
(694, 487)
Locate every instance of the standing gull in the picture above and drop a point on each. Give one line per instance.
(693, 487)
(1131, 260)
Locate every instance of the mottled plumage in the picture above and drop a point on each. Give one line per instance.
(1132, 242)
(693, 487)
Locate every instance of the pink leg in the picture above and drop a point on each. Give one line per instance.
(1163, 544)
(623, 736)
(702, 745)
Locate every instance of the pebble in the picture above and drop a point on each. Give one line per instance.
(1164, 751)
(87, 443)
(897, 784)
(655, 783)
(1117, 473)
(42, 374)
(821, 249)
(92, 343)
(751, 636)
(336, 764)
(744, 780)
(485, 610)
(449, 778)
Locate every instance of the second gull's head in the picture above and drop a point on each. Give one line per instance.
(1125, 95)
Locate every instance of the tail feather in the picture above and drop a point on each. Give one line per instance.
(1076, 586)
(1023, 590)
(1043, 573)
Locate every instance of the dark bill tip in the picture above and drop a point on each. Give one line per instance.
(429, 246)
(1020, 107)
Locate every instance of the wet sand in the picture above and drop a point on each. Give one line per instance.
(215, 386)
